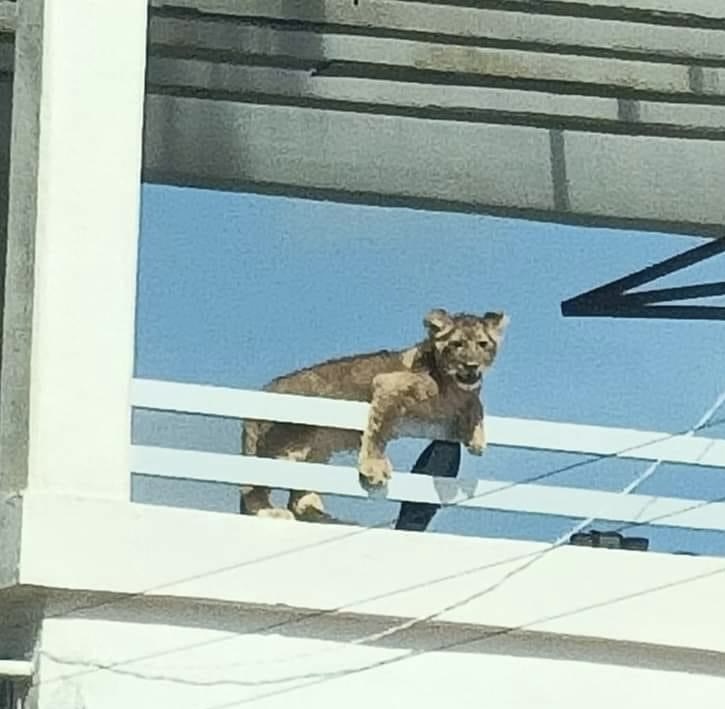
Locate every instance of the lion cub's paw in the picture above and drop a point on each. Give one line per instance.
(477, 444)
(308, 507)
(275, 513)
(476, 448)
(374, 472)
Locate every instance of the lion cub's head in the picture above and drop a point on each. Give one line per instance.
(464, 346)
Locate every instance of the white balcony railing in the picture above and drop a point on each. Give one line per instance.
(491, 494)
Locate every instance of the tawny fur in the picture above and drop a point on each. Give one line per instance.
(435, 383)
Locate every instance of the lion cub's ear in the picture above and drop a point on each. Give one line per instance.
(496, 323)
(438, 322)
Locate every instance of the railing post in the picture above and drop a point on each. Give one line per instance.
(72, 243)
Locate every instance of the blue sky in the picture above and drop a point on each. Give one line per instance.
(235, 289)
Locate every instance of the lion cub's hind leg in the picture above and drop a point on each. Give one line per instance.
(306, 505)
(298, 443)
(257, 502)
(256, 499)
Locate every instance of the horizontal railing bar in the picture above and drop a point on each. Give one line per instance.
(489, 494)
(352, 415)
(248, 404)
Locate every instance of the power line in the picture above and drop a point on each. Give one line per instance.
(649, 471)
(531, 556)
(407, 625)
(116, 667)
(703, 421)
(563, 539)
(359, 531)
(483, 636)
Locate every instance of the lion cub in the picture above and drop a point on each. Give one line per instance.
(430, 390)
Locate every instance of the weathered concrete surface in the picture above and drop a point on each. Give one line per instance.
(657, 183)
(72, 231)
(655, 178)
(474, 104)
(469, 64)
(472, 24)
(445, 105)
(192, 656)
(8, 11)
(243, 144)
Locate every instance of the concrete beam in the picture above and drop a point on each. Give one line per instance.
(650, 178)
(335, 53)
(198, 142)
(165, 552)
(226, 656)
(698, 8)
(579, 67)
(479, 104)
(465, 24)
(652, 183)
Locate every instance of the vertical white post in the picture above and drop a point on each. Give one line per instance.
(73, 232)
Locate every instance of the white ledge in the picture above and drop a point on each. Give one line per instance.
(120, 547)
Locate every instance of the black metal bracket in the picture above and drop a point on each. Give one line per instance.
(608, 540)
(613, 301)
(442, 459)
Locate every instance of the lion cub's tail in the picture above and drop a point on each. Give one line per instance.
(250, 437)
(253, 433)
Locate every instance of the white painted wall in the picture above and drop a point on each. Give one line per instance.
(199, 668)
(73, 230)
(108, 546)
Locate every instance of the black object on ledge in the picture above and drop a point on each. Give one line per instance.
(441, 459)
(609, 540)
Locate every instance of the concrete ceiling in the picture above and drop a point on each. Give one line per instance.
(601, 112)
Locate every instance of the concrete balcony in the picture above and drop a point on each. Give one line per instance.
(554, 99)
(107, 602)
(204, 608)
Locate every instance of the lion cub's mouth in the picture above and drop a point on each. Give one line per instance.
(468, 379)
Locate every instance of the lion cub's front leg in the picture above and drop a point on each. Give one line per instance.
(477, 443)
(393, 396)
(472, 431)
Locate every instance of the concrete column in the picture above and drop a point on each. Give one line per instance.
(72, 245)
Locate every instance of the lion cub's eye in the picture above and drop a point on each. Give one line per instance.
(484, 344)
(457, 344)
